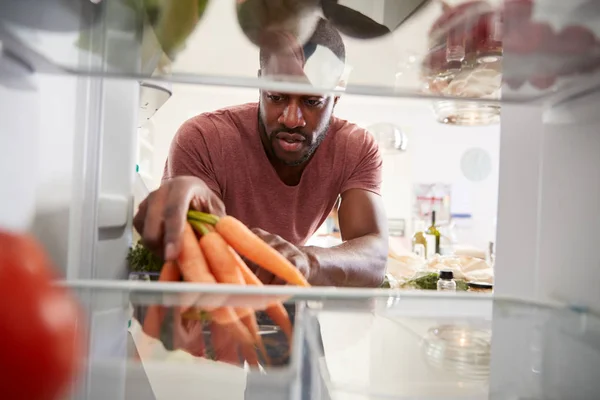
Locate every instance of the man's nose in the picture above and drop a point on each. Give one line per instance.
(292, 116)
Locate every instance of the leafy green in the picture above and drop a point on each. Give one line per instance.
(140, 259)
(389, 282)
(461, 285)
(386, 283)
(429, 282)
(425, 282)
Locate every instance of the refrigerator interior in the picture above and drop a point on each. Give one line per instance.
(353, 344)
(86, 60)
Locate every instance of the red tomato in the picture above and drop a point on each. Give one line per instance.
(543, 82)
(517, 12)
(40, 340)
(574, 40)
(529, 38)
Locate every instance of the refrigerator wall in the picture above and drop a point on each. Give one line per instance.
(547, 248)
(548, 201)
(19, 90)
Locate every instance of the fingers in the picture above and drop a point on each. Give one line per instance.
(162, 215)
(214, 205)
(174, 215)
(278, 281)
(138, 219)
(282, 246)
(264, 276)
(152, 232)
(204, 199)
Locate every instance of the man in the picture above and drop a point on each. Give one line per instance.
(279, 166)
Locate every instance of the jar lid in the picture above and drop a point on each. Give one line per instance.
(446, 275)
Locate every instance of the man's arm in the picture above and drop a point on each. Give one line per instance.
(361, 259)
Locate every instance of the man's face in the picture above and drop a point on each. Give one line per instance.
(294, 125)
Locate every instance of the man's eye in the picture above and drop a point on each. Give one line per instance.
(313, 102)
(275, 98)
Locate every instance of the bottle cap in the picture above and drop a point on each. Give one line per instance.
(446, 275)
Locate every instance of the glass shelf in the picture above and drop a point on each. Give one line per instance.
(346, 344)
(480, 52)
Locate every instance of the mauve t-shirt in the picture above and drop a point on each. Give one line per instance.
(224, 149)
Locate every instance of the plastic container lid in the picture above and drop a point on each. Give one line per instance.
(447, 275)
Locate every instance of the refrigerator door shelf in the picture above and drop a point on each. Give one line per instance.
(113, 211)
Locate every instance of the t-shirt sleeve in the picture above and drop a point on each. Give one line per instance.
(195, 150)
(365, 167)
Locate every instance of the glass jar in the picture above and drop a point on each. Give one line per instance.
(465, 60)
(446, 282)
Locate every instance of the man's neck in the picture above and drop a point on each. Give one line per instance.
(290, 175)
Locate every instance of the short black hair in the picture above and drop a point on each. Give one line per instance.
(325, 34)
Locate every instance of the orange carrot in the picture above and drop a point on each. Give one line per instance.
(250, 321)
(187, 334)
(191, 260)
(224, 346)
(275, 311)
(194, 268)
(155, 314)
(249, 355)
(220, 260)
(224, 267)
(249, 245)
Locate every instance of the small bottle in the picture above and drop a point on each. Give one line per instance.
(432, 230)
(446, 282)
(419, 241)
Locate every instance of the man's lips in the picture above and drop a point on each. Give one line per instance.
(290, 142)
(290, 137)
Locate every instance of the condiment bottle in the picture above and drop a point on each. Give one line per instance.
(419, 241)
(446, 282)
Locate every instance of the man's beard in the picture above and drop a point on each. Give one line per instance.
(321, 135)
(311, 149)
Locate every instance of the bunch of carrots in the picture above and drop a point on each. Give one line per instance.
(211, 252)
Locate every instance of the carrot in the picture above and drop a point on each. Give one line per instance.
(190, 342)
(250, 355)
(155, 314)
(220, 260)
(250, 322)
(224, 347)
(192, 261)
(275, 311)
(224, 267)
(194, 268)
(249, 245)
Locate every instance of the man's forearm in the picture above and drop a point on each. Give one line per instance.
(358, 262)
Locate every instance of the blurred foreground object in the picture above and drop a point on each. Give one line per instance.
(41, 339)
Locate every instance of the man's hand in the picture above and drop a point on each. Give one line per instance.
(294, 254)
(162, 215)
(358, 262)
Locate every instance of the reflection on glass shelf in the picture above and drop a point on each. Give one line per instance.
(455, 49)
(464, 350)
(346, 343)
